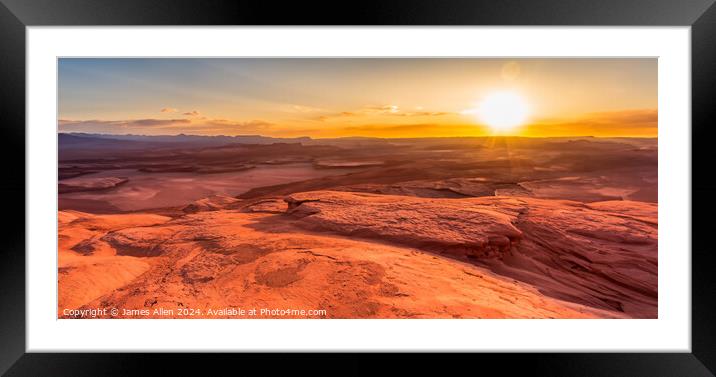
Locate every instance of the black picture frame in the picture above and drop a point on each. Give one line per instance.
(16, 15)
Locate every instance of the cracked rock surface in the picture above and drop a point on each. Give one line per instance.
(367, 255)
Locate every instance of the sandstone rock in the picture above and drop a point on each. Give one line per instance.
(433, 223)
(361, 255)
(89, 184)
(600, 254)
(271, 205)
(212, 203)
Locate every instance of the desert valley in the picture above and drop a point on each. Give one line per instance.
(358, 227)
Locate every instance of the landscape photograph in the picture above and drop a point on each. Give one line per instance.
(385, 188)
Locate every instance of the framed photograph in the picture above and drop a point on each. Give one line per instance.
(526, 182)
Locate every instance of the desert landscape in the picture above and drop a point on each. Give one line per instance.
(537, 201)
(415, 228)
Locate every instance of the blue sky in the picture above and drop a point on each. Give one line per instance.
(285, 96)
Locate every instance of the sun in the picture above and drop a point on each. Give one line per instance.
(503, 110)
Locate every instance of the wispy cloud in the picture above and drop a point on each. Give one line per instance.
(168, 110)
(255, 124)
(202, 124)
(193, 113)
(631, 122)
(382, 110)
(70, 125)
(625, 117)
(178, 125)
(303, 109)
(394, 130)
(382, 121)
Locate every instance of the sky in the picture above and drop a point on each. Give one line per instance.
(371, 97)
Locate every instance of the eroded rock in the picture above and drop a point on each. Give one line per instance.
(212, 203)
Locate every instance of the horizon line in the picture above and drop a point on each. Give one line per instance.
(367, 137)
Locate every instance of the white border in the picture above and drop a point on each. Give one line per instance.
(670, 333)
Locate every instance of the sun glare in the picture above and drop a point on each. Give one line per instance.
(503, 110)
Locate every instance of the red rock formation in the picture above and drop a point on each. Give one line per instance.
(89, 184)
(599, 254)
(360, 255)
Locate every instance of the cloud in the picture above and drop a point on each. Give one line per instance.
(156, 122)
(425, 113)
(395, 110)
(194, 125)
(168, 110)
(634, 122)
(397, 130)
(255, 124)
(192, 113)
(625, 117)
(96, 125)
(303, 109)
(382, 110)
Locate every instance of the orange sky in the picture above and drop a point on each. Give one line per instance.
(402, 97)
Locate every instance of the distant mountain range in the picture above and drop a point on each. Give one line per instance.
(74, 143)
